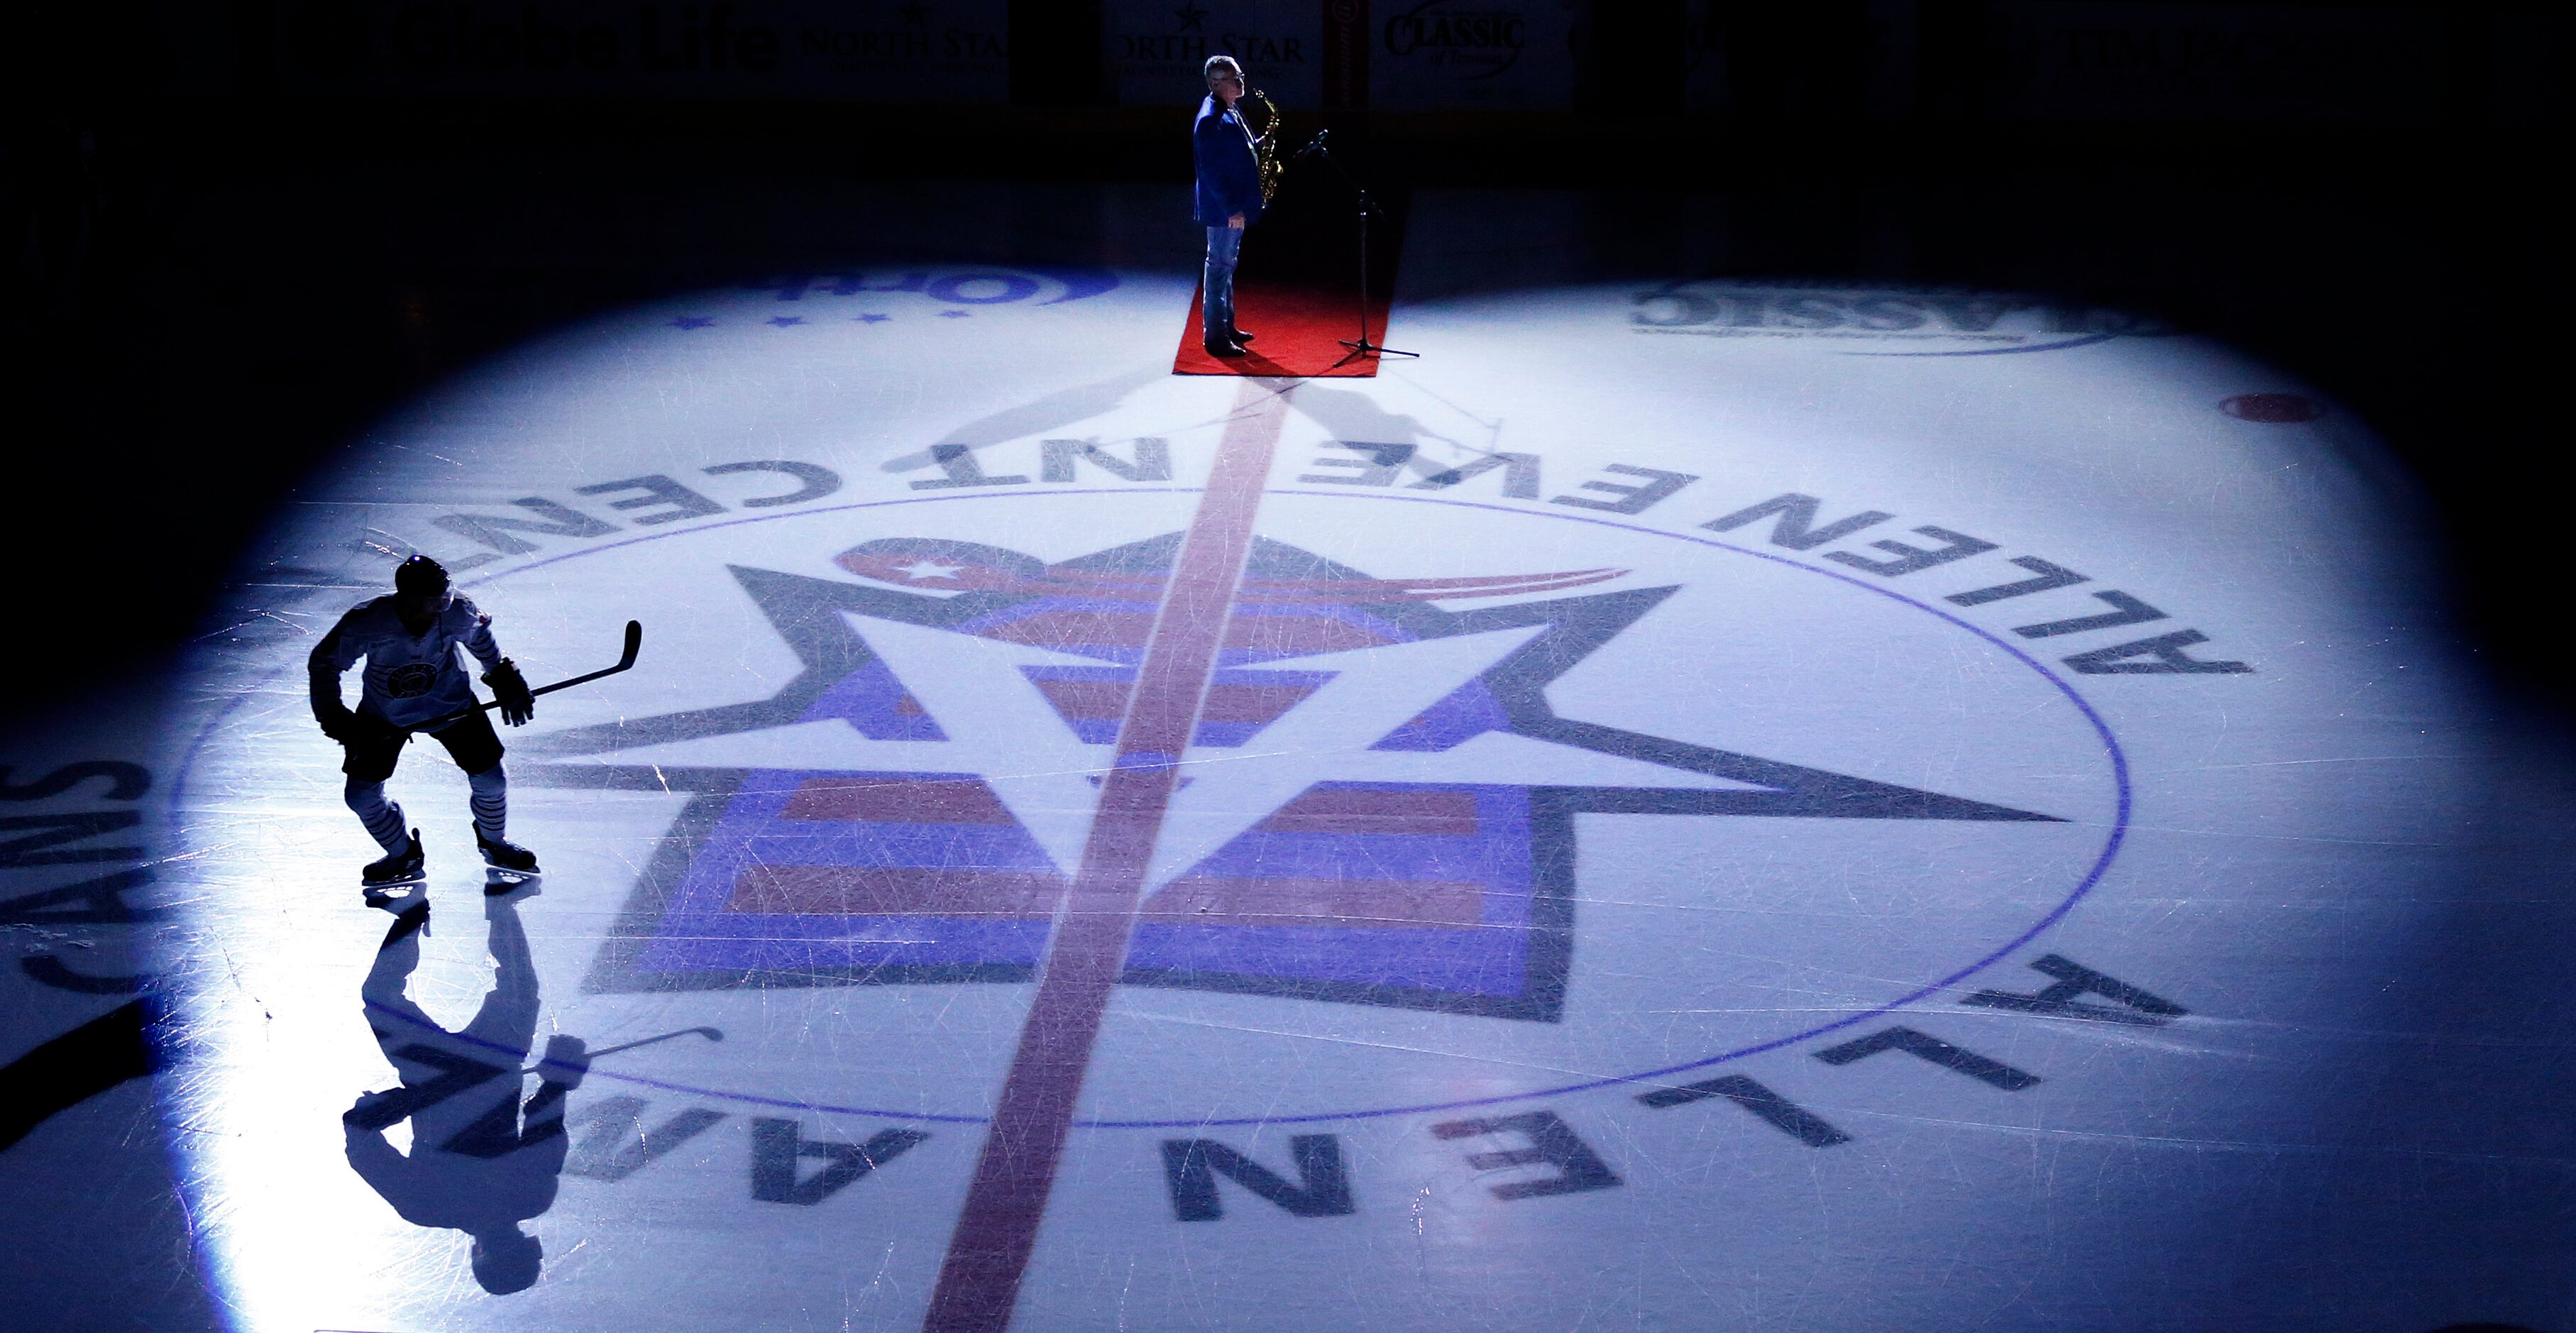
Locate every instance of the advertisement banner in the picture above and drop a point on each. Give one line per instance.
(2176, 62)
(859, 50)
(1154, 50)
(1473, 54)
(1346, 50)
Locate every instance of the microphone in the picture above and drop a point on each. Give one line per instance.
(1317, 145)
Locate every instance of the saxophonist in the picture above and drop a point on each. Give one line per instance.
(1229, 198)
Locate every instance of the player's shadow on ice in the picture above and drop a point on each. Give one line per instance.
(481, 1160)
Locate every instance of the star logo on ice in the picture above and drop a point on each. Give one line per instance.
(1003, 729)
(1365, 760)
(922, 570)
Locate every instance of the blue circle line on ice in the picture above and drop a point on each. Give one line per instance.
(2093, 876)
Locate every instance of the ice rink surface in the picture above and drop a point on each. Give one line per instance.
(1696, 804)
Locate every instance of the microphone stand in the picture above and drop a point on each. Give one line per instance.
(1361, 346)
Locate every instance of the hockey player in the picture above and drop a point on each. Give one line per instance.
(409, 641)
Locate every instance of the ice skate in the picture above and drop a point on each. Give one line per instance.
(503, 854)
(401, 867)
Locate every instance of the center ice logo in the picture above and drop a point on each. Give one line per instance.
(1378, 802)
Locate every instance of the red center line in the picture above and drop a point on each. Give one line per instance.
(980, 1281)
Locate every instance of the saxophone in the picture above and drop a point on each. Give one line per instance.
(1265, 145)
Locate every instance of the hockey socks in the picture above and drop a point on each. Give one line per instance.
(491, 804)
(383, 818)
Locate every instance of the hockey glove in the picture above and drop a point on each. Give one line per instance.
(511, 689)
(337, 721)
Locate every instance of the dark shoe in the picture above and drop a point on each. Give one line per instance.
(1226, 350)
(1238, 335)
(503, 854)
(396, 867)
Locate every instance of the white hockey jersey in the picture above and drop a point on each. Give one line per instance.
(410, 679)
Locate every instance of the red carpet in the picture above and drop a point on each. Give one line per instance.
(1297, 330)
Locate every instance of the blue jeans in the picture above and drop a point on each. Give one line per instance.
(1225, 245)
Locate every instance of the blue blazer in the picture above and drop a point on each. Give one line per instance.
(1229, 181)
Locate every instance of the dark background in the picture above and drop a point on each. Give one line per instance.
(216, 277)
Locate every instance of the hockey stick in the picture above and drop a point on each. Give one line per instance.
(711, 1034)
(634, 645)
